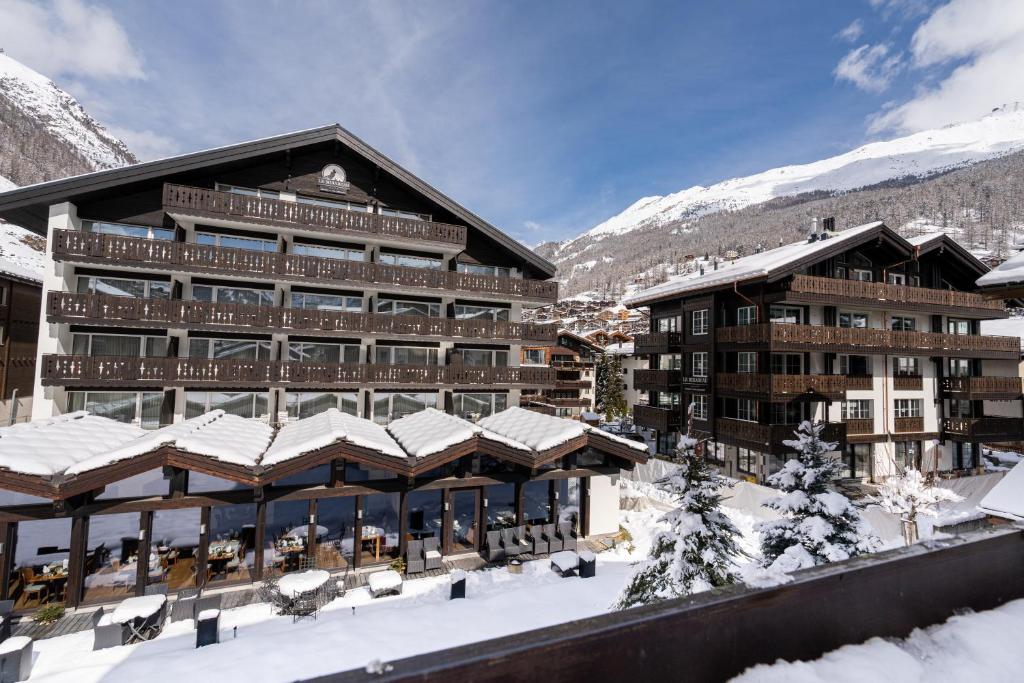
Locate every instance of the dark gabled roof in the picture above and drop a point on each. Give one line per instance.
(28, 206)
(928, 243)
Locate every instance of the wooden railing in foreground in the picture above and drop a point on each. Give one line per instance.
(716, 635)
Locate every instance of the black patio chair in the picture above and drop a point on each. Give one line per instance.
(536, 538)
(551, 536)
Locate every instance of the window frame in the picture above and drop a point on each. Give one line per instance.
(699, 322)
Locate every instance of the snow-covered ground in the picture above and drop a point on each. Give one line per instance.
(983, 646)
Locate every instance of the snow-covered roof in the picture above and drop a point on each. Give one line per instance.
(1006, 499)
(536, 430)
(431, 431)
(50, 446)
(1009, 272)
(748, 267)
(620, 348)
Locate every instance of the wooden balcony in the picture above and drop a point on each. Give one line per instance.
(200, 202)
(658, 342)
(859, 426)
(77, 371)
(573, 384)
(832, 291)
(788, 387)
(908, 383)
(656, 380)
(770, 438)
(982, 388)
(983, 429)
(662, 419)
(104, 310)
(908, 425)
(567, 402)
(187, 257)
(798, 338)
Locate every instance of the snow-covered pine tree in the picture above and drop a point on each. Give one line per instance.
(818, 525)
(697, 550)
(909, 495)
(614, 390)
(600, 381)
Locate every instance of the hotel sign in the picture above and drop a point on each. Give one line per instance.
(332, 179)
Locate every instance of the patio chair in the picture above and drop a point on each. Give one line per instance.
(510, 543)
(520, 533)
(568, 535)
(536, 538)
(493, 552)
(551, 536)
(107, 634)
(414, 563)
(6, 612)
(31, 589)
(432, 552)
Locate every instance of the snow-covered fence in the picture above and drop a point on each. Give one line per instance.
(716, 635)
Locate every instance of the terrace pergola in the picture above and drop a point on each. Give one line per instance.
(223, 499)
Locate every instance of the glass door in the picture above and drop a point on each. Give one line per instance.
(465, 522)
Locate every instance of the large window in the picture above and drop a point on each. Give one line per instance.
(908, 407)
(405, 355)
(537, 502)
(379, 540)
(392, 406)
(670, 361)
(477, 269)
(41, 561)
(786, 314)
(786, 363)
(856, 461)
(746, 315)
(854, 366)
(497, 358)
(534, 357)
(118, 345)
(474, 406)
(318, 352)
(501, 506)
(112, 558)
(746, 361)
(670, 324)
(903, 323)
(480, 312)
(907, 367)
(123, 406)
(286, 540)
(232, 543)
(407, 261)
(426, 512)
(853, 320)
(233, 349)
(699, 322)
(249, 191)
(397, 307)
(339, 253)
(125, 230)
(115, 286)
(857, 409)
(303, 404)
(241, 403)
(746, 460)
(327, 302)
(746, 409)
(908, 454)
(700, 407)
(959, 367)
(234, 242)
(336, 545)
(175, 542)
(233, 295)
(862, 274)
(954, 326)
(700, 364)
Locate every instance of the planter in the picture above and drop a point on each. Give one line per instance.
(515, 566)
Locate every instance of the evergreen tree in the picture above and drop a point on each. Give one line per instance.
(818, 525)
(614, 389)
(697, 550)
(600, 381)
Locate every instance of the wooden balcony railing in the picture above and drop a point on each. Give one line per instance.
(202, 202)
(658, 342)
(116, 250)
(567, 402)
(786, 337)
(656, 380)
(101, 309)
(771, 438)
(573, 383)
(832, 290)
(980, 388)
(907, 382)
(859, 426)
(908, 424)
(169, 372)
(662, 419)
(786, 387)
(984, 428)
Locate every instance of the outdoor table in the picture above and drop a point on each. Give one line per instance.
(373, 534)
(292, 585)
(136, 612)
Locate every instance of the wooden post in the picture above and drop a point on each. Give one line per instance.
(357, 535)
(311, 549)
(447, 522)
(203, 551)
(145, 547)
(261, 528)
(584, 530)
(76, 561)
(553, 501)
(520, 503)
(403, 522)
(7, 540)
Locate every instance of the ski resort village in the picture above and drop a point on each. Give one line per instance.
(466, 341)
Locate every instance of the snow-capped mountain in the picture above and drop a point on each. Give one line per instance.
(605, 253)
(45, 133)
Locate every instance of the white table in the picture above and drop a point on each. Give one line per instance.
(291, 585)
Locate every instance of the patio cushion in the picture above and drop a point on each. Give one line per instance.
(432, 554)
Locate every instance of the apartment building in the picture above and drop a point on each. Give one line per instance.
(574, 360)
(634, 369)
(874, 334)
(276, 279)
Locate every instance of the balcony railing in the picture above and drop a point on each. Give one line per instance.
(980, 388)
(658, 342)
(859, 426)
(205, 203)
(116, 250)
(169, 372)
(567, 402)
(908, 424)
(662, 419)
(788, 337)
(771, 438)
(907, 383)
(656, 380)
(832, 290)
(573, 383)
(786, 387)
(102, 309)
(984, 428)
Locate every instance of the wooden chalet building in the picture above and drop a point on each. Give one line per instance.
(574, 360)
(275, 279)
(877, 335)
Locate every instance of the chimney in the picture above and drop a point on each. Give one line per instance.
(814, 225)
(813, 237)
(829, 224)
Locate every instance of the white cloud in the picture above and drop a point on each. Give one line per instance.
(852, 32)
(869, 67)
(68, 38)
(145, 144)
(984, 41)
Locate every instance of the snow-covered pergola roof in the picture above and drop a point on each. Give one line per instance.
(1006, 499)
(79, 452)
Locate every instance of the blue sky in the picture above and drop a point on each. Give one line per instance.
(543, 117)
